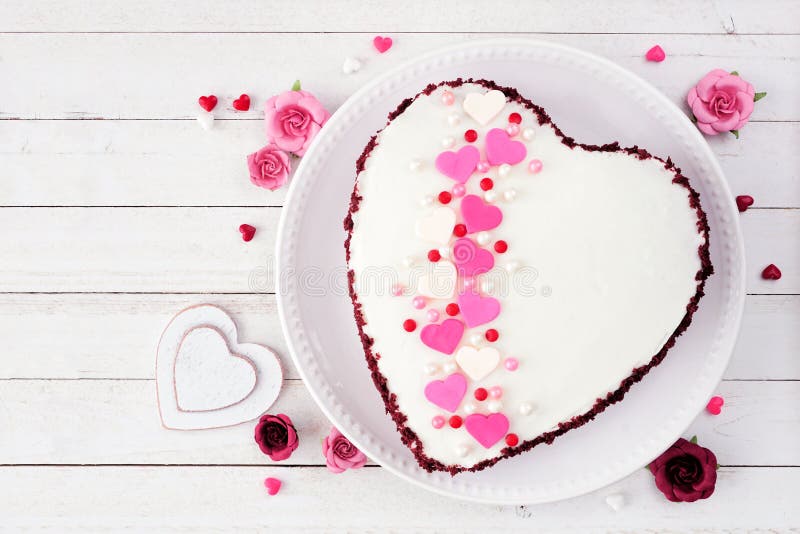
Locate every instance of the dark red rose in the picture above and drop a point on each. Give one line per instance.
(685, 472)
(276, 436)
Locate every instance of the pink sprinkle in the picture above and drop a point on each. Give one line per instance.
(535, 166)
(512, 129)
(448, 98)
(397, 290)
(511, 364)
(273, 485)
(714, 406)
(655, 54)
(433, 315)
(495, 392)
(483, 166)
(459, 190)
(437, 421)
(418, 302)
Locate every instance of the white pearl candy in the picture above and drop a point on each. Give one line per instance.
(448, 142)
(490, 196)
(495, 406)
(206, 120)
(431, 369)
(351, 65)
(512, 266)
(453, 119)
(408, 261)
(503, 170)
(509, 195)
(476, 339)
(482, 238)
(444, 252)
(449, 367)
(615, 501)
(470, 408)
(528, 134)
(462, 450)
(487, 286)
(525, 408)
(415, 164)
(427, 200)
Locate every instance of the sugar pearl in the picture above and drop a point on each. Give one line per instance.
(535, 166)
(431, 368)
(469, 283)
(462, 450)
(487, 286)
(470, 408)
(504, 169)
(415, 164)
(511, 364)
(509, 195)
(495, 406)
(437, 421)
(512, 266)
(483, 238)
(459, 190)
(449, 367)
(427, 200)
(448, 98)
(525, 408)
(453, 119)
(476, 339)
(490, 196)
(527, 134)
(448, 142)
(397, 290)
(408, 261)
(483, 166)
(495, 392)
(444, 252)
(432, 315)
(512, 129)
(418, 302)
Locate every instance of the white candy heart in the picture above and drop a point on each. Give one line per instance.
(206, 120)
(484, 107)
(437, 225)
(439, 281)
(615, 501)
(477, 363)
(351, 65)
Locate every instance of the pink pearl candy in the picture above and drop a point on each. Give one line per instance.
(459, 190)
(448, 98)
(483, 166)
(512, 129)
(535, 166)
(511, 364)
(437, 421)
(433, 315)
(418, 302)
(397, 290)
(495, 392)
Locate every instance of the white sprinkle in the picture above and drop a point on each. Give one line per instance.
(490, 196)
(483, 238)
(512, 266)
(470, 408)
(476, 339)
(487, 286)
(526, 408)
(495, 406)
(431, 369)
(462, 450)
(528, 134)
(444, 252)
(453, 119)
(509, 195)
(615, 501)
(448, 142)
(408, 261)
(415, 164)
(351, 65)
(449, 367)
(504, 169)
(427, 200)
(206, 120)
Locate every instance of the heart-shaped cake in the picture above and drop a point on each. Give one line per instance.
(567, 275)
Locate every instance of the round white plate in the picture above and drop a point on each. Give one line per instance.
(590, 99)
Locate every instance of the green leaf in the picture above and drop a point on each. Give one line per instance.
(717, 467)
(694, 440)
(296, 85)
(735, 72)
(736, 133)
(693, 119)
(759, 96)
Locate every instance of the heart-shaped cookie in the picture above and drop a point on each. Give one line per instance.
(604, 256)
(205, 378)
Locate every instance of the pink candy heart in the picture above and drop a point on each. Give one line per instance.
(447, 393)
(501, 149)
(470, 258)
(487, 429)
(382, 44)
(477, 310)
(655, 54)
(458, 165)
(714, 406)
(478, 215)
(443, 337)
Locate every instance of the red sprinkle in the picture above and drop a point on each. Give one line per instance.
(455, 421)
(492, 335)
(433, 255)
(512, 439)
(743, 202)
(247, 231)
(481, 394)
(771, 272)
(452, 309)
(242, 103)
(500, 246)
(516, 118)
(409, 325)
(273, 485)
(207, 102)
(470, 136)
(487, 184)
(714, 406)
(460, 230)
(445, 197)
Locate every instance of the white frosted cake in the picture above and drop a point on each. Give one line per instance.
(508, 282)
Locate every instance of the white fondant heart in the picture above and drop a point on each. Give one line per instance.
(204, 367)
(193, 365)
(484, 107)
(206, 120)
(351, 65)
(437, 281)
(477, 363)
(437, 225)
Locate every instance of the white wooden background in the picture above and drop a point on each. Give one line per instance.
(117, 210)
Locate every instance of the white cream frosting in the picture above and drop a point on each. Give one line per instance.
(602, 258)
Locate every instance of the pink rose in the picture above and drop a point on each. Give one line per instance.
(340, 454)
(293, 119)
(276, 436)
(721, 102)
(685, 472)
(269, 167)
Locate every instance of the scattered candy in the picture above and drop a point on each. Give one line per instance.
(512, 130)
(409, 325)
(415, 165)
(527, 134)
(509, 195)
(486, 184)
(459, 230)
(525, 408)
(515, 118)
(456, 421)
(470, 136)
(483, 166)
(503, 170)
(500, 246)
(453, 119)
(247, 231)
(430, 369)
(487, 286)
(434, 255)
(512, 266)
(449, 367)
(655, 54)
(448, 98)
(397, 290)
(452, 309)
(476, 339)
(771, 272)
(445, 197)
(490, 196)
(714, 406)
(207, 102)
(462, 450)
(438, 421)
(743, 202)
(408, 261)
(448, 142)
(482, 238)
(351, 65)
(469, 283)
(273, 485)
(382, 44)
(444, 252)
(206, 120)
(470, 408)
(492, 335)
(459, 190)
(495, 392)
(432, 315)
(535, 166)
(427, 200)
(495, 406)
(242, 103)
(512, 440)
(615, 501)
(511, 364)
(418, 302)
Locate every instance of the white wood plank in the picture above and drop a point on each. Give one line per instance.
(116, 422)
(312, 499)
(164, 74)
(175, 163)
(680, 16)
(199, 250)
(114, 335)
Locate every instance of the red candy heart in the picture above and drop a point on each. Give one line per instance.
(273, 485)
(247, 231)
(655, 54)
(714, 406)
(743, 202)
(207, 102)
(242, 103)
(382, 44)
(771, 272)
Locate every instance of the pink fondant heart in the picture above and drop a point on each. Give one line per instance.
(714, 406)
(501, 149)
(458, 165)
(443, 337)
(382, 44)
(477, 310)
(447, 393)
(470, 258)
(487, 429)
(478, 215)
